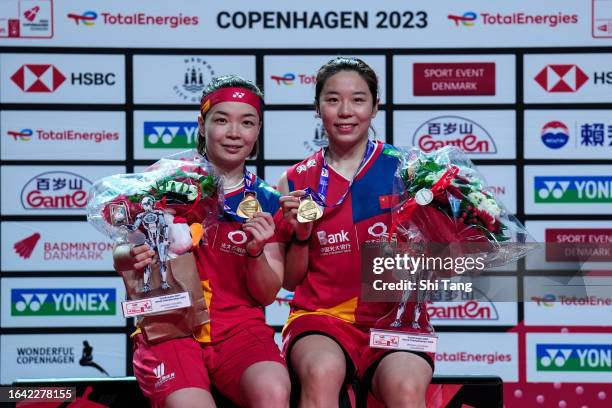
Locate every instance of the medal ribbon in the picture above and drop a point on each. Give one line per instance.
(405, 211)
(249, 187)
(320, 196)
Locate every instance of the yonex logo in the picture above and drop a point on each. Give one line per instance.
(553, 189)
(238, 95)
(555, 357)
(573, 189)
(574, 357)
(63, 302)
(30, 301)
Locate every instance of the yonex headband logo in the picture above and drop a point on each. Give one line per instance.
(238, 95)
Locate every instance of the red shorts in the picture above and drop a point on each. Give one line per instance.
(172, 365)
(362, 360)
(163, 368)
(229, 359)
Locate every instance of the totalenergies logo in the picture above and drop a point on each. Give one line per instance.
(88, 18)
(467, 19)
(286, 79)
(23, 135)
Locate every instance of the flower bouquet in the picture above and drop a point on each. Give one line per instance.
(446, 213)
(167, 207)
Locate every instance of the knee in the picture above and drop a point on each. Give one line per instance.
(270, 394)
(325, 372)
(407, 393)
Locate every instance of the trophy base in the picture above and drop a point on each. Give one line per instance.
(409, 341)
(155, 304)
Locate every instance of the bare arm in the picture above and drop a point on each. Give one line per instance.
(265, 273)
(265, 260)
(296, 258)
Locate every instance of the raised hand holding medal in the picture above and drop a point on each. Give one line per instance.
(312, 203)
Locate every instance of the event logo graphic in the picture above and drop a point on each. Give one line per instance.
(87, 358)
(88, 18)
(574, 357)
(555, 134)
(27, 19)
(197, 73)
(573, 189)
(561, 78)
(286, 79)
(25, 247)
(30, 14)
(63, 302)
(170, 135)
(466, 20)
(55, 190)
(38, 78)
(319, 140)
(454, 79)
(24, 135)
(457, 131)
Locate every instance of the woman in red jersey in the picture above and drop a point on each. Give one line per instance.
(326, 338)
(241, 269)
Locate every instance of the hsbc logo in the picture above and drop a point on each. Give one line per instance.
(46, 78)
(38, 78)
(561, 78)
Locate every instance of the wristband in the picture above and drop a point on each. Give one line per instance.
(300, 241)
(254, 256)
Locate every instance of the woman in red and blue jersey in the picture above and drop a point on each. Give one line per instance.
(241, 270)
(326, 338)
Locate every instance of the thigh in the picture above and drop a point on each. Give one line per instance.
(230, 359)
(164, 368)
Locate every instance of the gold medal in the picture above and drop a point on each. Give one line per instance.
(309, 210)
(248, 206)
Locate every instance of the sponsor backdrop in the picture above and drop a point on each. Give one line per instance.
(90, 89)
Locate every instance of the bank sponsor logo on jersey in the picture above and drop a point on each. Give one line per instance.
(573, 189)
(55, 190)
(574, 357)
(63, 302)
(172, 134)
(457, 131)
(334, 243)
(237, 242)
